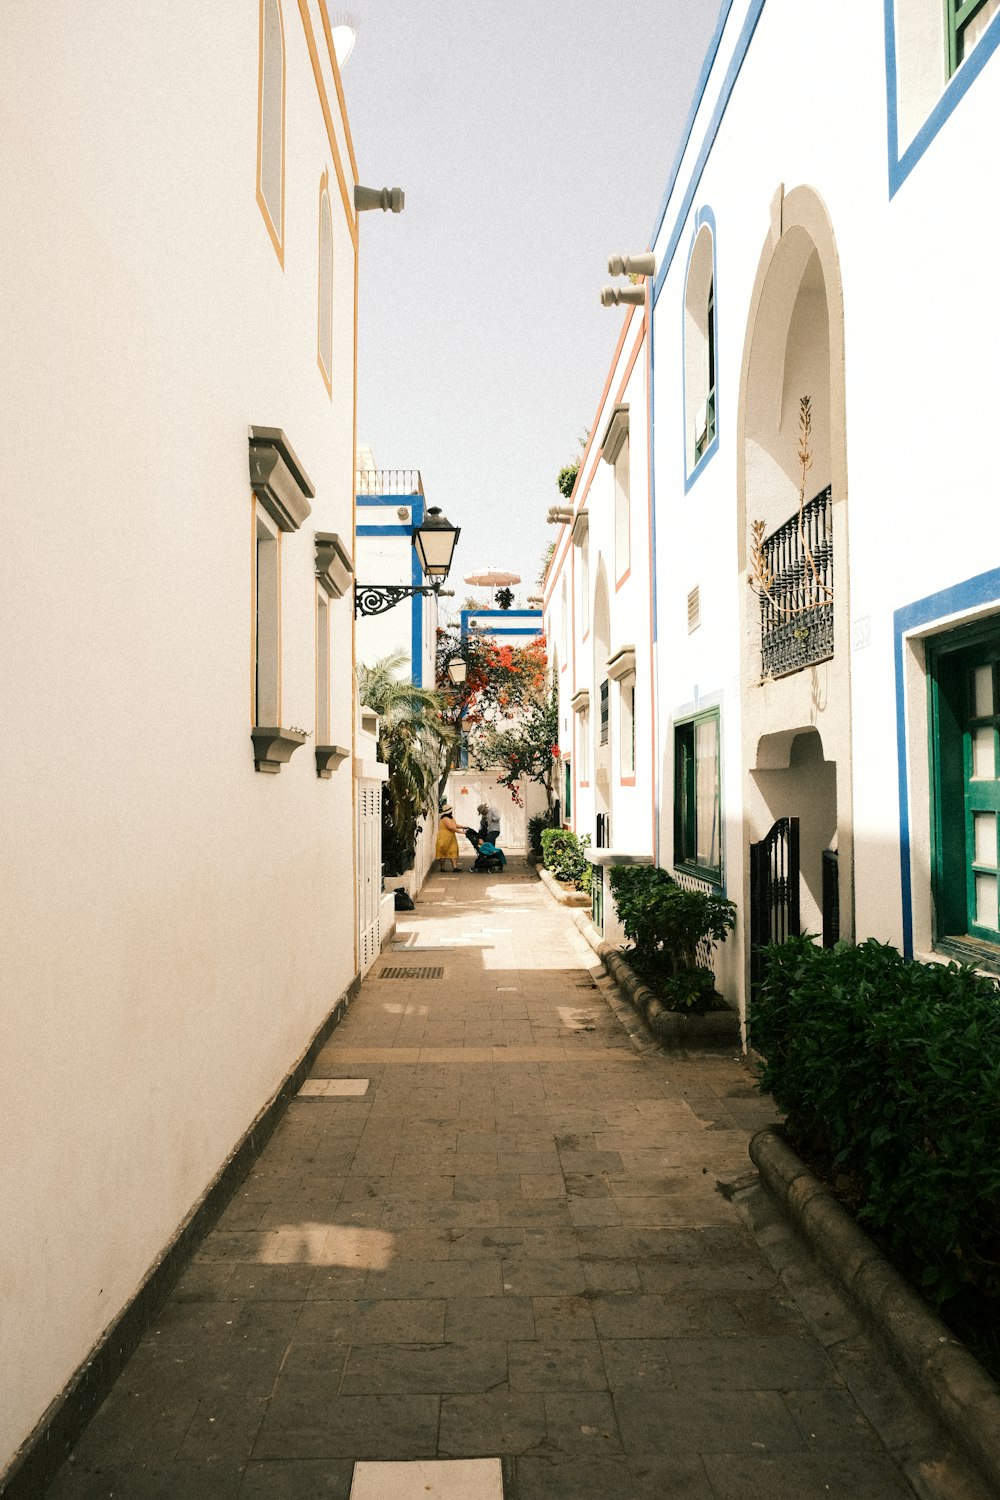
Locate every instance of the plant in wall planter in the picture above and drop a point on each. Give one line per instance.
(273, 747)
(672, 930)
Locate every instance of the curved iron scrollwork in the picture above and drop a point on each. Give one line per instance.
(376, 598)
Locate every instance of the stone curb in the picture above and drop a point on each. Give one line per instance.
(561, 893)
(670, 1027)
(936, 1363)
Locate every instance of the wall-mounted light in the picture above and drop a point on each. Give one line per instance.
(458, 670)
(387, 199)
(618, 296)
(434, 543)
(633, 265)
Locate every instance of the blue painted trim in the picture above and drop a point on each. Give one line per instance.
(384, 530)
(705, 216)
(699, 94)
(960, 598)
(408, 500)
(728, 84)
(416, 624)
(957, 86)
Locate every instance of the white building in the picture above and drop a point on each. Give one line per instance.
(390, 506)
(827, 194)
(802, 250)
(180, 913)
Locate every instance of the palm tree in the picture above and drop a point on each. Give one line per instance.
(413, 741)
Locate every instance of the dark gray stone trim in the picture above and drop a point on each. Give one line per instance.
(278, 479)
(936, 1364)
(334, 567)
(328, 757)
(274, 747)
(40, 1456)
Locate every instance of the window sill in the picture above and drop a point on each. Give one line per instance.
(974, 952)
(328, 758)
(712, 877)
(273, 747)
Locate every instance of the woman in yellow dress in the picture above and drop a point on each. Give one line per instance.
(447, 839)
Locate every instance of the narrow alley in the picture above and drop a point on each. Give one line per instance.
(496, 1226)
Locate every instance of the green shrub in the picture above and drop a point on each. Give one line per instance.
(670, 928)
(535, 827)
(562, 853)
(890, 1070)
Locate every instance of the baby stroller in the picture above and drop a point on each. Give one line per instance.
(490, 858)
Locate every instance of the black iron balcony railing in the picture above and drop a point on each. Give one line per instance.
(389, 482)
(796, 609)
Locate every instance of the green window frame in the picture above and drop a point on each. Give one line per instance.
(964, 682)
(708, 435)
(698, 796)
(959, 15)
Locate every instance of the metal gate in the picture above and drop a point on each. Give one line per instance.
(774, 891)
(831, 898)
(369, 867)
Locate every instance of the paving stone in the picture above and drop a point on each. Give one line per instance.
(443, 1368)
(366, 1321)
(303, 1422)
(298, 1479)
(804, 1476)
(558, 1318)
(580, 1422)
(749, 1364)
(564, 1365)
(468, 1319)
(501, 1422)
(652, 1420)
(557, 1477)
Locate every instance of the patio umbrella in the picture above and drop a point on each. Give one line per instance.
(492, 578)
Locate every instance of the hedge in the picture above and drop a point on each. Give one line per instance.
(890, 1070)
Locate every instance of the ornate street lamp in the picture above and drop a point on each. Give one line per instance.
(458, 670)
(434, 542)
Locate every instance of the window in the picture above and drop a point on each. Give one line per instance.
(623, 549)
(697, 832)
(615, 451)
(965, 755)
(966, 22)
(627, 690)
(267, 622)
(322, 667)
(605, 691)
(700, 346)
(325, 324)
(271, 123)
(567, 789)
(583, 745)
(935, 50)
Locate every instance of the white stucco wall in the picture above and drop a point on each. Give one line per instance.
(915, 497)
(175, 925)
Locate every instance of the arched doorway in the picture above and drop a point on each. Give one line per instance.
(792, 531)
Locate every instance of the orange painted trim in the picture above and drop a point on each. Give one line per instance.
(324, 103)
(628, 571)
(338, 82)
(564, 666)
(585, 638)
(253, 609)
(324, 184)
(631, 365)
(626, 781)
(351, 681)
(585, 786)
(581, 488)
(277, 234)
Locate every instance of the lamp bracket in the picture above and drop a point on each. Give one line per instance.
(376, 598)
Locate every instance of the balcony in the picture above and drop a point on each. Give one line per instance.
(388, 482)
(796, 609)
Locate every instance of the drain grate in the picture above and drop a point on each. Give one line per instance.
(411, 971)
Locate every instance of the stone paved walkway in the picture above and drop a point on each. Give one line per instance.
(521, 1240)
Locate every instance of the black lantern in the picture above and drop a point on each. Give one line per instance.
(458, 670)
(434, 540)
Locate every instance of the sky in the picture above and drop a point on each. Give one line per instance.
(532, 141)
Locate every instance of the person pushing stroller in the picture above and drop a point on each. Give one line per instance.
(490, 858)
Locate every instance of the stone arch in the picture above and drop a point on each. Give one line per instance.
(796, 727)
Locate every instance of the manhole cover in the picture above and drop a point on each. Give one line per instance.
(412, 972)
